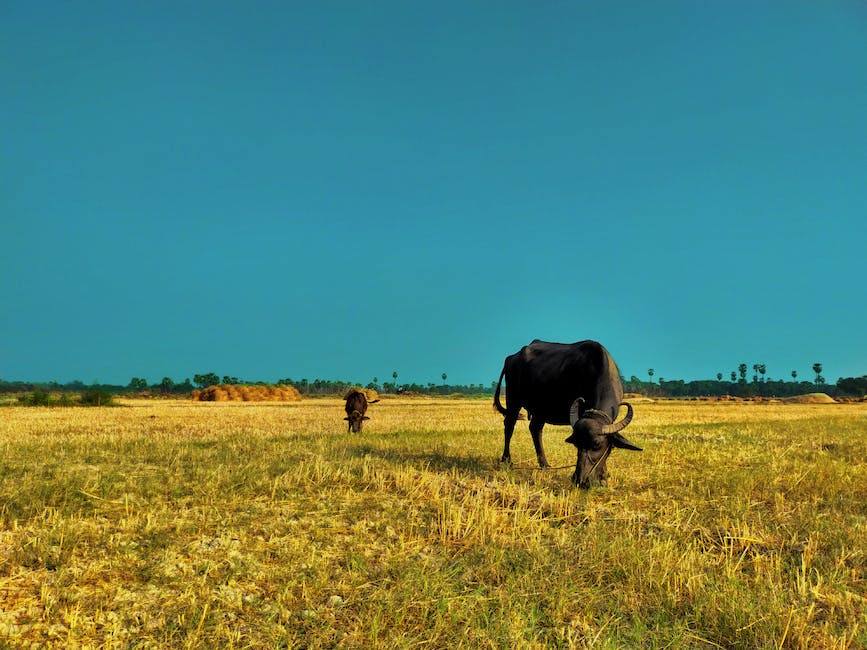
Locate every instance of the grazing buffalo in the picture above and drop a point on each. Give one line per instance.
(567, 383)
(356, 407)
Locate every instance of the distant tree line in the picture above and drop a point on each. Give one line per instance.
(136, 385)
(848, 387)
(737, 383)
(338, 387)
(315, 387)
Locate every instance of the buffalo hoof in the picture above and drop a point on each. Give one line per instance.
(506, 461)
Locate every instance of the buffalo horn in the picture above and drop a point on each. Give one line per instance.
(619, 426)
(575, 411)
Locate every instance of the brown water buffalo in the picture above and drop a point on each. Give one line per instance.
(356, 407)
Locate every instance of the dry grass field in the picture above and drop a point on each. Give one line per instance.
(202, 525)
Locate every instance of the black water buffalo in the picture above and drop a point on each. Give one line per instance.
(356, 407)
(567, 383)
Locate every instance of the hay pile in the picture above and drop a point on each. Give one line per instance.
(811, 398)
(369, 393)
(241, 393)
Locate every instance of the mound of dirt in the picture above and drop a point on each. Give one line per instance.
(811, 398)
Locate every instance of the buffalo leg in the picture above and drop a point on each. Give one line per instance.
(508, 430)
(536, 432)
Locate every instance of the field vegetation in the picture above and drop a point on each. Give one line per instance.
(232, 524)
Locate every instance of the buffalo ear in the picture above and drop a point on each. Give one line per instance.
(619, 441)
(365, 418)
(572, 440)
(347, 419)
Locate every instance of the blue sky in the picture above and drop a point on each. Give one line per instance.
(344, 189)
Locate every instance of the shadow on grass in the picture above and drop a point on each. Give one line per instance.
(434, 460)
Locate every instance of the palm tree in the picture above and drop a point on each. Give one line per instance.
(794, 375)
(762, 371)
(817, 368)
(755, 373)
(444, 376)
(166, 385)
(394, 376)
(742, 369)
(650, 372)
(734, 376)
(719, 376)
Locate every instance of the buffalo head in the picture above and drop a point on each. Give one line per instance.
(356, 421)
(595, 436)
